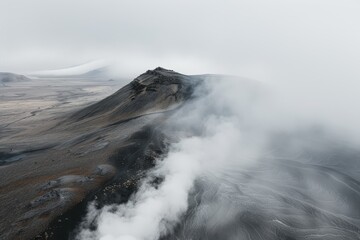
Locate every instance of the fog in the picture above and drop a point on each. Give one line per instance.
(248, 164)
(305, 47)
(268, 156)
(303, 40)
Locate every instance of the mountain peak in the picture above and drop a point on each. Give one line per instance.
(162, 69)
(159, 71)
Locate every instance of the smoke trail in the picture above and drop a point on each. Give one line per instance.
(154, 210)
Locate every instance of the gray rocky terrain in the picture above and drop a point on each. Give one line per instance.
(51, 163)
(68, 145)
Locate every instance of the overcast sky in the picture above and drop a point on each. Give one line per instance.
(259, 39)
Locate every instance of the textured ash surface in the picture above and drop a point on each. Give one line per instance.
(55, 157)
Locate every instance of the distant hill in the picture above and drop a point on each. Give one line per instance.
(6, 77)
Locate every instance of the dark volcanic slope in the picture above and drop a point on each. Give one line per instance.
(151, 92)
(47, 172)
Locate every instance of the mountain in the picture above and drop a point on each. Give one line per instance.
(100, 151)
(302, 183)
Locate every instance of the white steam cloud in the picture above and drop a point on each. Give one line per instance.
(154, 210)
(225, 156)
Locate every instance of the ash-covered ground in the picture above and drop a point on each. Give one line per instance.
(170, 156)
(57, 147)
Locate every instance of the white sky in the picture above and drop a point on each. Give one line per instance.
(259, 39)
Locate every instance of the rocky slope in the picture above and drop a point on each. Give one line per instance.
(49, 174)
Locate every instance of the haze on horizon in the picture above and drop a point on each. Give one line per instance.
(257, 39)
